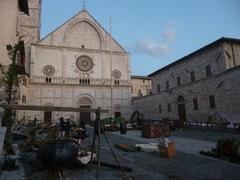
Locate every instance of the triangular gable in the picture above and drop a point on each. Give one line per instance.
(81, 31)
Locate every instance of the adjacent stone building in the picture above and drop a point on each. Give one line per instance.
(141, 86)
(10, 12)
(10, 19)
(196, 86)
(77, 65)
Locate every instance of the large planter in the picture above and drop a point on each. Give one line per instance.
(57, 154)
(155, 129)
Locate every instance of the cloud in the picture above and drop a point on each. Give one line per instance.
(151, 48)
(157, 48)
(169, 32)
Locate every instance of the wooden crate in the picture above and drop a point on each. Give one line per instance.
(169, 151)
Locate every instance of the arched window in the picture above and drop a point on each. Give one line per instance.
(180, 99)
(48, 80)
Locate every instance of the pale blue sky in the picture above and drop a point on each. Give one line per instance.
(155, 32)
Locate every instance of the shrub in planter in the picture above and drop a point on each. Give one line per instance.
(228, 148)
(112, 123)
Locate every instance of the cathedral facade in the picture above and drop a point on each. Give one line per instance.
(77, 65)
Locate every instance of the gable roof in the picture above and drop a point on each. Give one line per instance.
(185, 58)
(73, 17)
(140, 77)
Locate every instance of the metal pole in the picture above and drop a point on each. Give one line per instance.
(111, 66)
(99, 134)
(115, 157)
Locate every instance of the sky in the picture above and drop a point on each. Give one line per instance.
(154, 32)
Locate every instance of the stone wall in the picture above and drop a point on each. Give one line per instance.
(213, 56)
(9, 27)
(225, 87)
(69, 96)
(141, 86)
(223, 84)
(30, 24)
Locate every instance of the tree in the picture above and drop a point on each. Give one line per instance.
(12, 75)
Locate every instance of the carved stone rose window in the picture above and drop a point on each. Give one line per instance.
(48, 70)
(116, 74)
(84, 63)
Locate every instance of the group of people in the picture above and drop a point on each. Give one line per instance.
(64, 127)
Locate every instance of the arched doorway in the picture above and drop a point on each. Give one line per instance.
(48, 114)
(181, 108)
(86, 103)
(117, 111)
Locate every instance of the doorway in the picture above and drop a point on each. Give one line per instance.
(182, 112)
(181, 108)
(85, 116)
(47, 117)
(117, 114)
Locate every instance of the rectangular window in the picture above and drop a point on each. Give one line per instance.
(212, 101)
(158, 88)
(160, 109)
(178, 81)
(116, 82)
(169, 107)
(24, 99)
(195, 104)
(192, 76)
(167, 85)
(208, 70)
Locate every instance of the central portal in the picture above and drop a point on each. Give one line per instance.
(85, 103)
(85, 116)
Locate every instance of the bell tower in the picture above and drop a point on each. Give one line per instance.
(29, 26)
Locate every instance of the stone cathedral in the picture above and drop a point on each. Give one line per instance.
(79, 64)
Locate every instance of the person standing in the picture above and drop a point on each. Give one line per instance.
(67, 127)
(61, 128)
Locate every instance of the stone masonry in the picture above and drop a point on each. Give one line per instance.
(222, 84)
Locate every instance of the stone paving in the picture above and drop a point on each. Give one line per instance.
(186, 165)
(187, 145)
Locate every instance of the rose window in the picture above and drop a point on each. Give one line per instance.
(84, 63)
(48, 70)
(116, 74)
